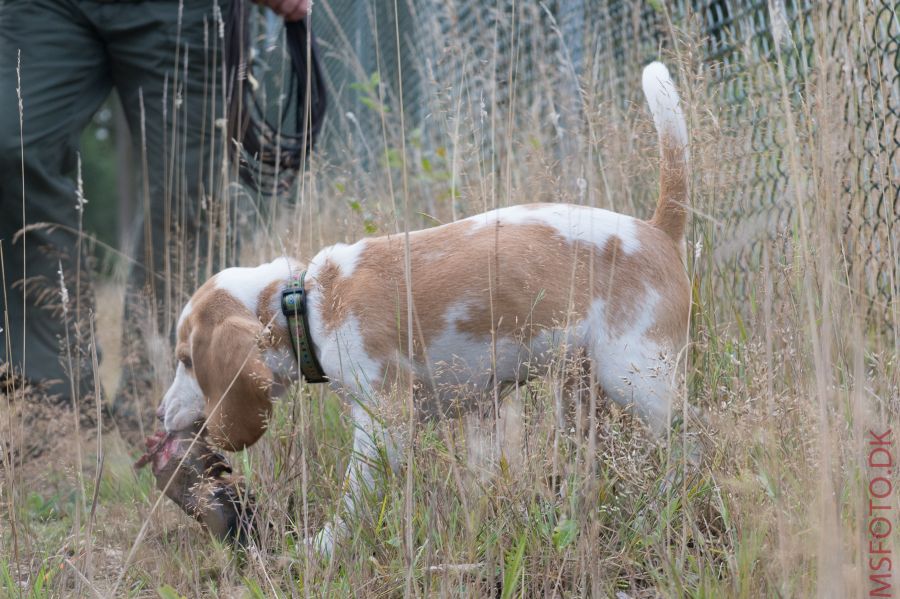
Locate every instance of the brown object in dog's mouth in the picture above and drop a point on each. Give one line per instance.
(155, 451)
(198, 479)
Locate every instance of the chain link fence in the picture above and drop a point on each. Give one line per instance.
(563, 74)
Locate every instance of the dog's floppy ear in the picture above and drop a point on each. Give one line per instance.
(235, 381)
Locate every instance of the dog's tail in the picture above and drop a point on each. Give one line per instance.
(671, 210)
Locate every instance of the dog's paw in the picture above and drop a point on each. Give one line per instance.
(324, 541)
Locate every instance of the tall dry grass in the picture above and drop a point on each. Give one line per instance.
(789, 376)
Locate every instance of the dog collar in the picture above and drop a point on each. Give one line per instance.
(293, 305)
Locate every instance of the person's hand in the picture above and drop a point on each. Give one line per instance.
(291, 10)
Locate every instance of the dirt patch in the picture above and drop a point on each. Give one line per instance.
(36, 431)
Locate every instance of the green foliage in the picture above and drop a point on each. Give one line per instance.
(254, 588)
(369, 93)
(515, 562)
(564, 533)
(167, 592)
(38, 586)
(100, 170)
(9, 584)
(54, 507)
(121, 483)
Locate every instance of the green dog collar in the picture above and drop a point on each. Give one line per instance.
(293, 305)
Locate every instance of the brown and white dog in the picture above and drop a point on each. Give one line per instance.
(495, 297)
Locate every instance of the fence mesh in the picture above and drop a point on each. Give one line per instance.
(510, 63)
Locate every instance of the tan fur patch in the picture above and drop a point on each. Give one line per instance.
(518, 278)
(223, 337)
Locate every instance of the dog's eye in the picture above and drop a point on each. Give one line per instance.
(187, 362)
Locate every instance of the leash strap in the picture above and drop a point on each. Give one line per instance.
(293, 305)
(273, 152)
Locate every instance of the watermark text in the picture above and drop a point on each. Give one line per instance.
(880, 462)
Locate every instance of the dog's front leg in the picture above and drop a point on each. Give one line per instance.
(369, 439)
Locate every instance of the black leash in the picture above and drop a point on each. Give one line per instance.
(271, 155)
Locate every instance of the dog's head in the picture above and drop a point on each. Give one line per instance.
(222, 374)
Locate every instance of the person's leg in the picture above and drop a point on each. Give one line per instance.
(168, 73)
(64, 78)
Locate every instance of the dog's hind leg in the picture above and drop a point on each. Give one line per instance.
(638, 375)
(642, 376)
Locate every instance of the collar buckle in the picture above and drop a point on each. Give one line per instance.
(293, 302)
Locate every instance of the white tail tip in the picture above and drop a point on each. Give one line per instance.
(665, 105)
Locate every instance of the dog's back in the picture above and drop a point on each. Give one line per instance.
(499, 293)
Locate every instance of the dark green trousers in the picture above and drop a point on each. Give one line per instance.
(166, 65)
